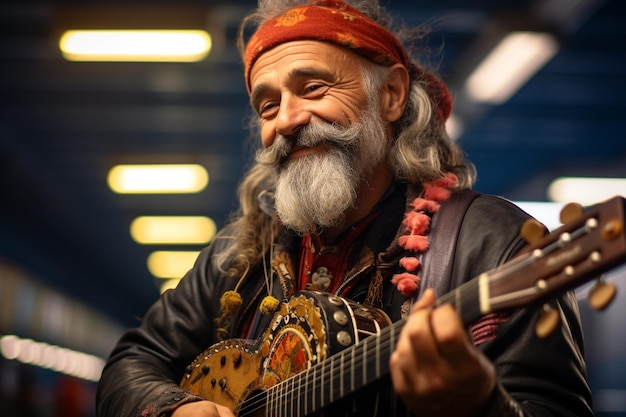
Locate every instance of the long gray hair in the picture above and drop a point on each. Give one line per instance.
(422, 149)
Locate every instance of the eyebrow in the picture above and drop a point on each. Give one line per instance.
(258, 92)
(305, 72)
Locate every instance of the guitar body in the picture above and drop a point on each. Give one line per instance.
(306, 330)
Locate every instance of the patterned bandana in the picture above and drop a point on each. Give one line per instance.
(336, 22)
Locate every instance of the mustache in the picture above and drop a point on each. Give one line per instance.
(314, 134)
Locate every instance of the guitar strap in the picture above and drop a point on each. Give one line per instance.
(438, 260)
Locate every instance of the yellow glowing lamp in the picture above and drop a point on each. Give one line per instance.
(171, 264)
(158, 179)
(135, 45)
(172, 229)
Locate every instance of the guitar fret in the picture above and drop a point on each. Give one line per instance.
(281, 400)
(310, 404)
(341, 367)
(337, 379)
(352, 364)
(307, 377)
(283, 403)
(327, 376)
(332, 380)
(364, 375)
(285, 400)
(282, 412)
(322, 385)
(278, 404)
(292, 401)
(314, 388)
(270, 401)
(297, 390)
(300, 385)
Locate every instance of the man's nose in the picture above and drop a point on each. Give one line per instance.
(292, 115)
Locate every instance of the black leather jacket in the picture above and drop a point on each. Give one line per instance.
(537, 377)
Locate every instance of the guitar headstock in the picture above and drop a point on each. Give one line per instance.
(591, 242)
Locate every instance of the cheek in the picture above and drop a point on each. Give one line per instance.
(268, 135)
(345, 111)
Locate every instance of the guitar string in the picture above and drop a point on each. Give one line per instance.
(258, 401)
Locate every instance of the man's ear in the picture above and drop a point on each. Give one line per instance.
(394, 93)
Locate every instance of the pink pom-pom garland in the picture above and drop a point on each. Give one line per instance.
(415, 243)
(423, 205)
(436, 193)
(417, 224)
(409, 263)
(406, 283)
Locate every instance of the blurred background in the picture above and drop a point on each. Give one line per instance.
(86, 244)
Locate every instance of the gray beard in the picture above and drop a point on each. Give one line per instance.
(313, 192)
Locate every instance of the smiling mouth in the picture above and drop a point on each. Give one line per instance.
(299, 151)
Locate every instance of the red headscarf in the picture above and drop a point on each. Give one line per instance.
(337, 22)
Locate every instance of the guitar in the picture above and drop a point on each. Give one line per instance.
(320, 348)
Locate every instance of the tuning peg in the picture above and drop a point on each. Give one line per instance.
(602, 294)
(549, 320)
(571, 212)
(532, 231)
(612, 229)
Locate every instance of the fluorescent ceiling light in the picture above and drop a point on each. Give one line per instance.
(171, 264)
(586, 191)
(57, 358)
(158, 179)
(135, 45)
(511, 63)
(172, 229)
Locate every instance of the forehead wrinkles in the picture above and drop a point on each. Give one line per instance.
(316, 55)
(296, 53)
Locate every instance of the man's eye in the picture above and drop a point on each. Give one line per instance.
(311, 88)
(267, 107)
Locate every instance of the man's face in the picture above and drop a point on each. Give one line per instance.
(304, 82)
(318, 131)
